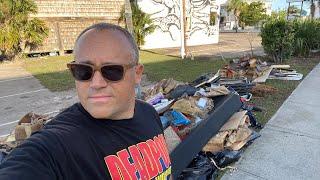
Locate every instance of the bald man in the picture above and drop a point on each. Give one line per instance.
(108, 134)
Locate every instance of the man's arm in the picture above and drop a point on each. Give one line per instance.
(31, 160)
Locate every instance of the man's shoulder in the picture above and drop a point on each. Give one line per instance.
(68, 116)
(66, 124)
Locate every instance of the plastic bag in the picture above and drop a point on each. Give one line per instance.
(200, 168)
(2, 156)
(176, 118)
(181, 90)
(164, 121)
(226, 157)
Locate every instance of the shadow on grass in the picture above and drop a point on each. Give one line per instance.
(158, 53)
(56, 81)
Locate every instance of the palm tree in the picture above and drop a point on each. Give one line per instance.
(142, 23)
(17, 30)
(235, 6)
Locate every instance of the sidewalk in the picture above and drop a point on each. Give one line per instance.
(289, 145)
(21, 93)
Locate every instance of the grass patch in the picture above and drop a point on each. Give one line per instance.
(54, 75)
(272, 102)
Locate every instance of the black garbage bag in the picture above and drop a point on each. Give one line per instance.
(253, 121)
(254, 135)
(182, 89)
(200, 168)
(225, 157)
(2, 156)
(202, 78)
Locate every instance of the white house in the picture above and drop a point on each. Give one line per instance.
(166, 15)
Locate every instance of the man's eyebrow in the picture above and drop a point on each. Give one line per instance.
(87, 62)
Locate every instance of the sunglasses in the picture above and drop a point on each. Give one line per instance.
(110, 72)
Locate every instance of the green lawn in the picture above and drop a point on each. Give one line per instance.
(53, 74)
(271, 103)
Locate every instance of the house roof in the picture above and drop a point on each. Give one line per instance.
(109, 9)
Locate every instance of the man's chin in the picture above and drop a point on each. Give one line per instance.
(100, 115)
(99, 110)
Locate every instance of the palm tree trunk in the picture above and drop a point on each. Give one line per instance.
(128, 17)
(236, 15)
(236, 25)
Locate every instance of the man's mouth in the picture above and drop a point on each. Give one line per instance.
(100, 98)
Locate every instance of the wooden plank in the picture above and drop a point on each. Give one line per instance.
(264, 77)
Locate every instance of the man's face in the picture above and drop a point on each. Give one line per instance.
(103, 99)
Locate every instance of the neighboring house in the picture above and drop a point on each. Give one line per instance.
(67, 18)
(227, 19)
(166, 16)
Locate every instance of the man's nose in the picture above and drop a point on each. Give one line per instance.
(98, 81)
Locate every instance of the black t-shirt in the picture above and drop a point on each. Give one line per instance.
(77, 146)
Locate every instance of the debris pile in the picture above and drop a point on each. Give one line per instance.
(27, 125)
(183, 106)
(244, 77)
(257, 71)
(251, 68)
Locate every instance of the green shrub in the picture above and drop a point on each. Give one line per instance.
(277, 39)
(281, 38)
(307, 36)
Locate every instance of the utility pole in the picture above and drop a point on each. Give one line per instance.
(301, 8)
(182, 28)
(312, 9)
(288, 12)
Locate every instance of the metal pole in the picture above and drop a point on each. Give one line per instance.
(301, 9)
(182, 28)
(312, 9)
(288, 11)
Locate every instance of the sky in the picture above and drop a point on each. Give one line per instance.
(279, 4)
(282, 4)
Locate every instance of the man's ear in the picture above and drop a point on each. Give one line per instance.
(138, 70)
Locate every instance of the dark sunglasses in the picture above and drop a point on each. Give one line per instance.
(110, 72)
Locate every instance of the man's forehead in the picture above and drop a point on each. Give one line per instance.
(101, 36)
(102, 43)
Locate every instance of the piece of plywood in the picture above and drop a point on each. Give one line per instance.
(264, 76)
(280, 66)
